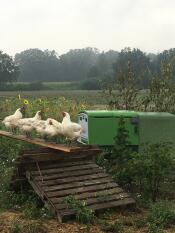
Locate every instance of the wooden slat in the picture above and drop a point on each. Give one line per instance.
(49, 165)
(73, 179)
(86, 195)
(63, 157)
(81, 190)
(95, 200)
(37, 150)
(102, 206)
(59, 164)
(42, 143)
(77, 184)
(68, 174)
(63, 169)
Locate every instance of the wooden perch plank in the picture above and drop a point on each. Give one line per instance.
(39, 142)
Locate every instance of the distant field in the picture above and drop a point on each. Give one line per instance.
(46, 85)
(61, 83)
(91, 97)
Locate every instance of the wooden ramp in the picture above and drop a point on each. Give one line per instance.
(56, 175)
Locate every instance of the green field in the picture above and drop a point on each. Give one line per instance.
(91, 97)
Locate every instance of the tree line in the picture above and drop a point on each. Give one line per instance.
(88, 65)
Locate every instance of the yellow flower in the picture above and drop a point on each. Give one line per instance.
(26, 102)
(83, 106)
(19, 96)
(62, 98)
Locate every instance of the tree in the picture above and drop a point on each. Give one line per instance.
(123, 92)
(167, 57)
(140, 63)
(9, 71)
(76, 64)
(104, 65)
(161, 97)
(38, 65)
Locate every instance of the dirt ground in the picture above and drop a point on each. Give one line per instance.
(9, 218)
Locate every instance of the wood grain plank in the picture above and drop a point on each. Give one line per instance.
(77, 184)
(102, 206)
(73, 179)
(69, 174)
(81, 190)
(39, 142)
(86, 195)
(96, 200)
(64, 169)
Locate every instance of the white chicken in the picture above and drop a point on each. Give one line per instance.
(71, 130)
(49, 128)
(11, 122)
(26, 125)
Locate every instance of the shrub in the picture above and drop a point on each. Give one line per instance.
(83, 213)
(116, 159)
(162, 214)
(153, 228)
(144, 171)
(90, 84)
(150, 167)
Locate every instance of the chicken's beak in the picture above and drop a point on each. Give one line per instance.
(63, 114)
(23, 110)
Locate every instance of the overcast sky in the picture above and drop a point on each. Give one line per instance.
(69, 24)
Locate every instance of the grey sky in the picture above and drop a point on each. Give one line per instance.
(69, 24)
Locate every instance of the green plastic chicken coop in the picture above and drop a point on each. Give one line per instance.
(100, 127)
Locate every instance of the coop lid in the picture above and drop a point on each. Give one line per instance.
(107, 113)
(155, 114)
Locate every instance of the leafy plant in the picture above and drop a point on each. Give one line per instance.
(153, 228)
(83, 213)
(162, 214)
(116, 160)
(150, 167)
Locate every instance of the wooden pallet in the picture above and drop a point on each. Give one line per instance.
(55, 175)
